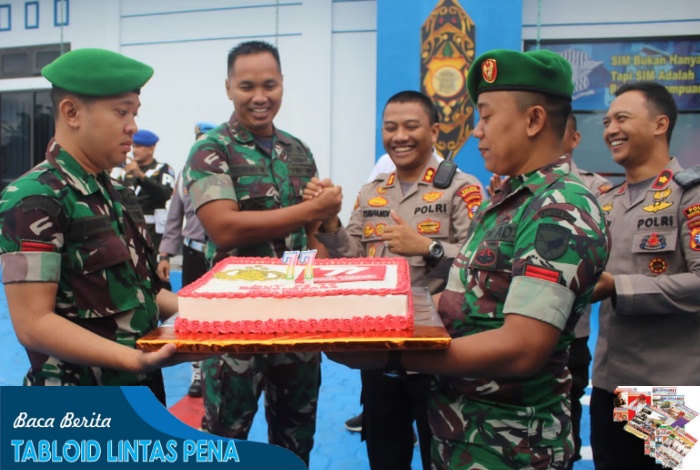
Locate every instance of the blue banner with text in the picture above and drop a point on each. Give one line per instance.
(115, 427)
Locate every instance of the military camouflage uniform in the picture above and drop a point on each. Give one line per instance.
(536, 249)
(390, 405)
(152, 193)
(229, 164)
(60, 224)
(579, 354)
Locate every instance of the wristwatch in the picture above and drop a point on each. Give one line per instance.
(162, 257)
(394, 369)
(435, 253)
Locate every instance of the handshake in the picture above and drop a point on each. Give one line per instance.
(328, 199)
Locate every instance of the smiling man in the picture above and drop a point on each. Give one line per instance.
(403, 214)
(245, 179)
(650, 291)
(518, 285)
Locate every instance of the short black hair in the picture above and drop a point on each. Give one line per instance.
(558, 109)
(250, 48)
(58, 94)
(410, 96)
(659, 99)
(572, 122)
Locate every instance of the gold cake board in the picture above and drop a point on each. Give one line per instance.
(428, 333)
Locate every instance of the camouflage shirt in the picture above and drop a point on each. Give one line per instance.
(60, 224)
(536, 249)
(230, 164)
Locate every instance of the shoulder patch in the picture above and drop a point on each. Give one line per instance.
(688, 178)
(552, 241)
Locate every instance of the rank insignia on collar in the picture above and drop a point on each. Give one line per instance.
(429, 175)
(662, 180)
(390, 181)
(381, 189)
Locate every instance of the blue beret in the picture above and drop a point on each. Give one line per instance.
(204, 126)
(539, 71)
(145, 138)
(97, 72)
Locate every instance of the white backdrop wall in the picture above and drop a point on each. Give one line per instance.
(574, 19)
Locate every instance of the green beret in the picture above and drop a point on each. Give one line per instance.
(97, 72)
(539, 71)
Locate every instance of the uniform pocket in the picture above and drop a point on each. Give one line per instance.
(653, 250)
(99, 266)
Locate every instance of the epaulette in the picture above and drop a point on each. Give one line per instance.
(688, 178)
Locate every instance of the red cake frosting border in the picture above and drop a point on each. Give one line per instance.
(356, 325)
(403, 283)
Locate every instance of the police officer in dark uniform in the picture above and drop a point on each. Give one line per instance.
(151, 181)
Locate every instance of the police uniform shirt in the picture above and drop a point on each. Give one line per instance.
(440, 214)
(650, 331)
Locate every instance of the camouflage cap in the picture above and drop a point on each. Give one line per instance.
(97, 72)
(539, 71)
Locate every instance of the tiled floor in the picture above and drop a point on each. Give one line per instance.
(335, 448)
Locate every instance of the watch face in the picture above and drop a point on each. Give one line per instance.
(436, 250)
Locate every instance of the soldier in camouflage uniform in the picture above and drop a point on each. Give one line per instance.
(579, 354)
(519, 284)
(74, 246)
(245, 179)
(403, 214)
(650, 292)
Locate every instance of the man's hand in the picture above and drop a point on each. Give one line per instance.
(132, 168)
(402, 239)
(494, 183)
(164, 357)
(314, 188)
(604, 288)
(163, 270)
(327, 201)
